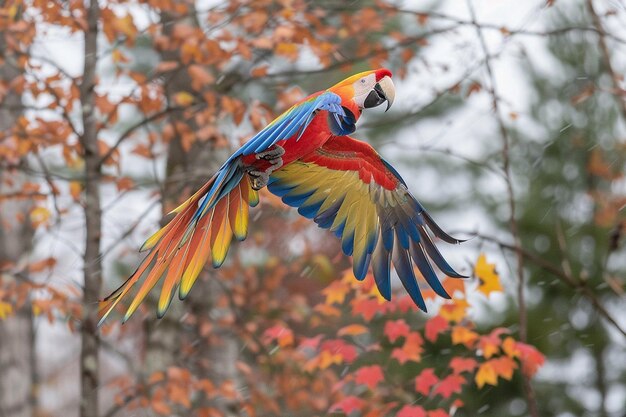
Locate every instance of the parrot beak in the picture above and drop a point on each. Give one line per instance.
(384, 90)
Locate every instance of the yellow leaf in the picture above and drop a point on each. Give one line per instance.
(486, 375)
(125, 25)
(75, 189)
(454, 310)
(509, 346)
(184, 99)
(488, 347)
(39, 216)
(326, 359)
(486, 273)
(12, 12)
(335, 292)
(118, 57)
(287, 49)
(36, 310)
(6, 310)
(504, 367)
(463, 335)
(352, 330)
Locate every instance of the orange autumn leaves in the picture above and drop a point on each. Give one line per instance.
(164, 391)
(380, 354)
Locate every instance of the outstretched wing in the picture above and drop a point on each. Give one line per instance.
(179, 250)
(289, 125)
(205, 224)
(294, 121)
(346, 187)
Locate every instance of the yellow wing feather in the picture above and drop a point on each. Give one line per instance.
(178, 251)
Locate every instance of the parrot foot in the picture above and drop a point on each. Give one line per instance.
(273, 155)
(258, 179)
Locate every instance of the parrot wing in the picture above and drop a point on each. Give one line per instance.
(205, 224)
(345, 186)
(289, 125)
(294, 121)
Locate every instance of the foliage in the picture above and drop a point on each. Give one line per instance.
(353, 351)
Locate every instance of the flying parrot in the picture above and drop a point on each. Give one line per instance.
(306, 157)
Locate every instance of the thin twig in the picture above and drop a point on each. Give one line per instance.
(429, 14)
(506, 144)
(413, 40)
(572, 282)
(128, 132)
(403, 118)
(50, 183)
(130, 229)
(511, 32)
(606, 58)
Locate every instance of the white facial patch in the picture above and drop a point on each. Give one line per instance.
(362, 88)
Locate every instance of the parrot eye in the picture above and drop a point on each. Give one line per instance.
(362, 80)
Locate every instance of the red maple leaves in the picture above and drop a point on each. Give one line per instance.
(369, 376)
(377, 331)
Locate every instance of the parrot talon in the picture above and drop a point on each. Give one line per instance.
(258, 179)
(272, 154)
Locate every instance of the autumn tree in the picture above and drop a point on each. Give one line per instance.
(583, 221)
(16, 233)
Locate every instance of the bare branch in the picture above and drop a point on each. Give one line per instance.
(413, 40)
(506, 143)
(48, 178)
(511, 32)
(128, 132)
(577, 284)
(487, 26)
(130, 229)
(619, 93)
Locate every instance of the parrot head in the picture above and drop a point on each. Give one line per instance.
(368, 89)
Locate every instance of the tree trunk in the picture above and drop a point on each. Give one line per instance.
(92, 262)
(16, 332)
(17, 395)
(16, 348)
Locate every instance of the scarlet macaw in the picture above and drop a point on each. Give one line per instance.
(306, 157)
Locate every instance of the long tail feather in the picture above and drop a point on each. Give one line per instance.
(203, 228)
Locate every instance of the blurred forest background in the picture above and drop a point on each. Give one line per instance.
(509, 126)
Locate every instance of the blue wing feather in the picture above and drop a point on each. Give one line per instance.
(404, 268)
(400, 234)
(420, 259)
(294, 120)
(381, 268)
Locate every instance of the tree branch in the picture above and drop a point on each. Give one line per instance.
(619, 93)
(506, 144)
(128, 132)
(574, 283)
